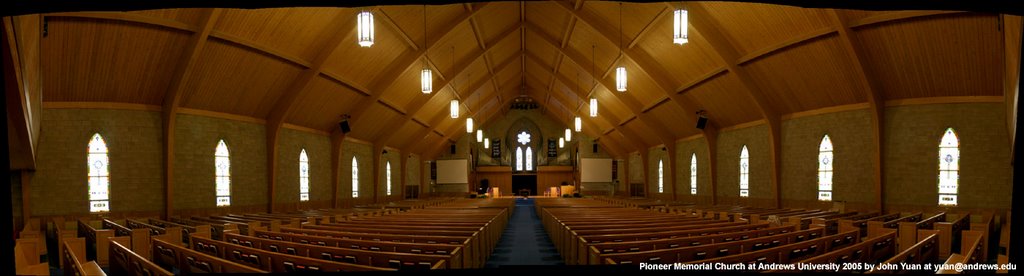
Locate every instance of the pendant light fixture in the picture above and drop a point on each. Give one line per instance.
(568, 134)
(479, 135)
(593, 107)
(454, 106)
(364, 24)
(426, 76)
(487, 143)
(561, 142)
(680, 22)
(469, 124)
(593, 79)
(577, 121)
(620, 72)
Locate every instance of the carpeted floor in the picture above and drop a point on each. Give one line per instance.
(524, 241)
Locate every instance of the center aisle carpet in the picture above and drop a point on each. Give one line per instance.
(524, 241)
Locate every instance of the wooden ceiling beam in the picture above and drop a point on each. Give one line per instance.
(895, 16)
(584, 117)
(484, 119)
(627, 100)
(296, 90)
(407, 61)
(172, 99)
(433, 150)
(872, 91)
(704, 25)
(417, 106)
(134, 18)
(648, 66)
(590, 130)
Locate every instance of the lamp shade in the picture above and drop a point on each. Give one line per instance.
(479, 135)
(426, 81)
(561, 142)
(568, 134)
(679, 27)
(487, 143)
(469, 125)
(454, 108)
(620, 79)
(365, 25)
(579, 124)
(593, 107)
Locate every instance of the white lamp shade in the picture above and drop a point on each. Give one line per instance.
(479, 135)
(568, 134)
(593, 107)
(679, 27)
(579, 124)
(561, 142)
(454, 106)
(469, 125)
(620, 79)
(365, 26)
(487, 143)
(426, 81)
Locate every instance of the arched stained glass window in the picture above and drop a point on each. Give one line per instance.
(661, 176)
(387, 176)
(519, 158)
(693, 174)
(949, 168)
(825, 159)
(223, 162)
(529, 159)
(744, 172)
(99, 175)
(355, 177)
(303, 176)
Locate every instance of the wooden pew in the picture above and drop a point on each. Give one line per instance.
(186, 230)
(862, 224)
(96, 247)
(355, 256)
(925, 251)
(470, 250)
(950, 233)
(908, 230)
(74, 263)
(876, 228)
(455, 251)
(124, 261)
(170, 255)
(953, 259)
(872, 250)
(169, 233)
(139, 239)
(831, 225)
(714, 250)
(26, 256)
(973, 246)
(272, 261)
(217, 228)
(681, 239)
(986, 224)
(783, 254)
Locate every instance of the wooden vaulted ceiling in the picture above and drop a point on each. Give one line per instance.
(302, 66)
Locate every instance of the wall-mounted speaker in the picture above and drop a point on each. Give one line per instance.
(344, 126)
(702, 122)
(451, 149)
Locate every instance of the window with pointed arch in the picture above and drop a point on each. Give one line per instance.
(355, 177)
(529, 159)
(99, 175)
(303, 176)
(524, 140)
(825, 161)
(744, 172)
(222, 160)
(949, 168)
(661, 176)
(387, 176)
(693, 173)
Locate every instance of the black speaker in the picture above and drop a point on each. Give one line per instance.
(344, 127)
(451, 149)
(702, 122)
(595, 148)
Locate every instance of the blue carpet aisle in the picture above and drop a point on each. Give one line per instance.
(524, 241)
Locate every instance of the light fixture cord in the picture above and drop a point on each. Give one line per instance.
(620, 28)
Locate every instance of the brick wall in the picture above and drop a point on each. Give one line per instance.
(134, 140)
(636, 168)
(318, 149)
(196, 139)
(395, 157)
(684, 150)
(853, 170)
(653, 155)
(412, 169)
(911, 154)
(362, 153)
(729, 145)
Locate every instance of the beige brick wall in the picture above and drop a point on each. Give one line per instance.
(684, 149)
(852, 137)
(911, 154)
(318, 149)
(395, 157)
(413, 172)
(195, 141)
(362, 152)
(729, 145)
(636, 169)
(134, 140)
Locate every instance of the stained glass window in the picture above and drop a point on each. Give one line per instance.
(303, 176)
(744, 172)
(693, 174)
(825, 169)
(661, 177)
(223, 163)
(949, 168)
(355, 177)
(99, 175)
(529, 159)
(387, 176)
(519, 158)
